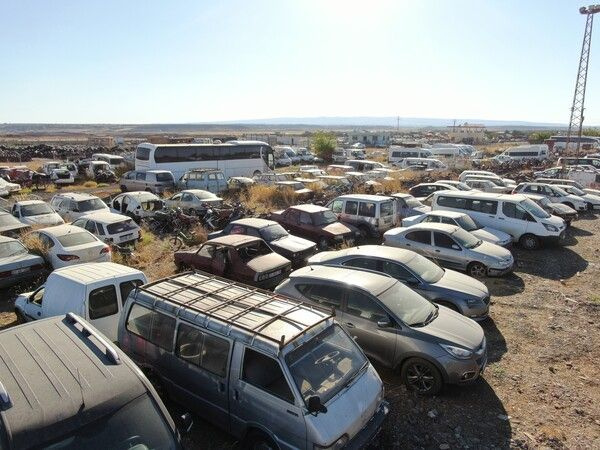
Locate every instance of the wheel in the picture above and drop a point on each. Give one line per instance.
(477, 269)
(323, 244)
(257, 440)
(123, 188)
(421, 376)
(20, 316)
(590, 206)
(256, 172)
(364, 232)
(529, 242)
(175, 243)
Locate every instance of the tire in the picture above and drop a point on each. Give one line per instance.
(590, 206)
(421, 376)
(123, 188)
(477, 269)
(257, 440)
(256, 172)
(149, 190)
(323, 244)
(176, 243)
(529, 242)
(364, 232)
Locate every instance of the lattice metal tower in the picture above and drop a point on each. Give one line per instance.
(576, 122)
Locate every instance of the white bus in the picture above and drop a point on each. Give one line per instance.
(560, 142)
(397, 154)
(234, 158)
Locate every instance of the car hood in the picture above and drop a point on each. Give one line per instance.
(268, 262)
(562, 208)
(460, 282)
(454, 328)
(492, 235)
(574, 198)
(337, 228)
(292, 243)
(43, 219)
(591, 198)
(493, 250)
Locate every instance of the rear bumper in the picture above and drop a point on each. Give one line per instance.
(371, 429)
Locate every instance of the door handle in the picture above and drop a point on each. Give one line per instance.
(350, 325)
(236, 395)
(501, 218)
(408, 245)
(291, 412)
(221, 386)
(39, 313)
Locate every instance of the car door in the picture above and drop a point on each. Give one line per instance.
(175, 201)
(212, 184)
(292, 222)
(103, 309)
(33, 307)
(447, 252)
(187, 201)
(140, 181)
(200, 372)
(370, 325)
(90, 226)
(204, 259)
(350, 212)
(418, 241)
(514, 219)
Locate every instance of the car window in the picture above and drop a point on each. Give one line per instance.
(102, 302)
(432, 219)
(323, 294)
(140, 176)
(187, 197)
(47, 241)
(206, 251)
(152, 326)
(367, 209)
(514, 211)
(443, 240)
(351, 208)
(202, 349)
(126, 287)
(79, 223)
(361, 305)
(448, 220)
(237, 229)
(396, 270)
(364, 263)
(90, 226)
(305, 219)
(212, 176)
(483, 206)
(452, 202)
(265, 373)
(38, 297)
(74, 239)
(337, 206)
(386, 209)
(422, 236)
(293, 216)
(176, 197)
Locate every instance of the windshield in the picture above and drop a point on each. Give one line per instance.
(273, 232)
(412, 202)
(324, 218)
(543, 201)
(531, 207)
(466, 223)
(324, 365)
(426, 269)
(73, 239)
(11, 248)
(122, 429)
(92, 204)
(462, 186)
(559, 191)
(466, 239)
(36, 209)
(115, 161)
(164, 176)
(406, 304)
(574, 190)
(121, 227)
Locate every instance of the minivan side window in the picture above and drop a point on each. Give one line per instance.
(484, 206)
(514, 211)
(424, 237)
(152, 326)
(452, 202)
(265, 373)
(320, 293)
(140, 176)
(351, 208)
(366, 209)
(337, 206)
(202, 349)
(103, 302)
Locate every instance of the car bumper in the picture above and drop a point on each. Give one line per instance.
(460, 371)
(369, 433)
(478, 313)
(499, 271)
(559, 239)
(25, 276)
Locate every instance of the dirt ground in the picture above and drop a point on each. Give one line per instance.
(541, 387)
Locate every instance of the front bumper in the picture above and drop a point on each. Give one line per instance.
(370, 431)
(478, 312)
(459, 371)
(498, 272)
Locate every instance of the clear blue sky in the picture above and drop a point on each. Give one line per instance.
(88, 61)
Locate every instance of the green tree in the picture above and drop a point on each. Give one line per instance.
(591, 132)
(538, 137)
(323, 145)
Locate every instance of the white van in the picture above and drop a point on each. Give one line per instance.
(527, 152)
(397, 154)
(471, 173)
(516, 215)
(428, 163)
(94, 291)
(446, 152)
(364, 165)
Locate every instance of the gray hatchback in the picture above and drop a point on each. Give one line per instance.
(446, 287)
(428, 344)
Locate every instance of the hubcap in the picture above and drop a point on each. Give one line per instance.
(478, 270)
(420, 377)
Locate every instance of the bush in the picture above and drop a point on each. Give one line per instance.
(323, 145)
(90, 184)
(263, 199)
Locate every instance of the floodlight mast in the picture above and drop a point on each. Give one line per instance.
(576, 120)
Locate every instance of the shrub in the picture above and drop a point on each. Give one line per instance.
(90, 184)
(263, 199)
(323, 144)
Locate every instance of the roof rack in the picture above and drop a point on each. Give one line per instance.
(242, 308)
(110, 352)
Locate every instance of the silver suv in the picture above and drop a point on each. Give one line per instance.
(428, 344)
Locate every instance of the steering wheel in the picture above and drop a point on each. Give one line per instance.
(328, 357)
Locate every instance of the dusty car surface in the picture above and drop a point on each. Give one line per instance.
(294, 248)
(137, 205)
(10, 226)
(193, 201)
(17, 264)
(247, 259)
(316, 223)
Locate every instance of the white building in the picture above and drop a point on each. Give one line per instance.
(370, 138)
(469, 133)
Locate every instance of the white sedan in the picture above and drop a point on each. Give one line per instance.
(110, 227)
(592, 200)
(67, 245)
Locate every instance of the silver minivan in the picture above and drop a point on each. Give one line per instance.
(211, 180)
(373, 215)
(155, 181)
(271, 371)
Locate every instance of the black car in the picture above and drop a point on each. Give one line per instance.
(294, 248)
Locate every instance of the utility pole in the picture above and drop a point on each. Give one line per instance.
(577, 109)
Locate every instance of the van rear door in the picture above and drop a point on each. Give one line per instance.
(103, 309)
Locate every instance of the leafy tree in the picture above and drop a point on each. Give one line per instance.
(538, 137)
(591, 132)
(323, 144)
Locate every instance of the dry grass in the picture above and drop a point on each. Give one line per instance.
(152, 256)
(51, 188)
(265, 199)
(35, 245)
(90, 184)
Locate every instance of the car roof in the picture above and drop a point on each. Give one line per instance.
(76, 195)
(106, 217)
(308, 208)
(233, 240)
(480, 195)
(443, 213)
(200, 193)
(138, 194)
(29, 202)
(375, 283)
(397, 254)
(401, 195)
(366, 197)
(61, 230)
(87, 273)
(56, 377)
(255, 223)
(434, 227)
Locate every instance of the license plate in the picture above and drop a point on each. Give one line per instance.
(126, 237)
(274, 274)
(22, 270)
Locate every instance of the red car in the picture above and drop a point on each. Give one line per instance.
(246, 259)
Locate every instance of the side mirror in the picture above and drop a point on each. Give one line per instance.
(384, 322)
(315, 406)
(455, 247)
(412, 281)
(186, 422)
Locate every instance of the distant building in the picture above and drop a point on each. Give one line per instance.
(101, 141)
(370, 138)
(468, 133)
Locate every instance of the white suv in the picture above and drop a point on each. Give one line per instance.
(554, 193)
(71, 205)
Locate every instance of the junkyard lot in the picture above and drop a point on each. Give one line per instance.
(540, 387)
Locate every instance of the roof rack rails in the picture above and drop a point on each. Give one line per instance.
(216, 311)
(110, 352)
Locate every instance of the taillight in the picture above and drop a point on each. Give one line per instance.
(67, 257)
(105, 250)
(37, 267)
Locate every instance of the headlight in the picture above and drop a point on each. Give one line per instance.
(340, 443)
(549, 227)
(457, 352)
(473, 301)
